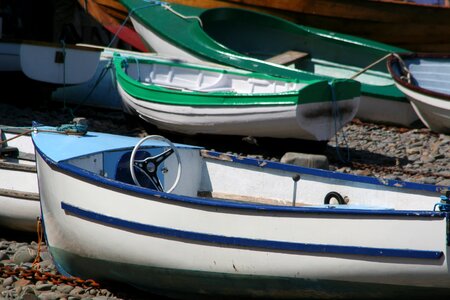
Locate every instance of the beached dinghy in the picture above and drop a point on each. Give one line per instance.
(19, 197)
(195, 98)
(425, 80)
(58, 63)
(182, 221)
(101, 89)
(263, 43)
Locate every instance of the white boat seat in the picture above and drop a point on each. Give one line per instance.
(287, 58)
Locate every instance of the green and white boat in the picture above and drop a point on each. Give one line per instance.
(267, 44)
(203, 99)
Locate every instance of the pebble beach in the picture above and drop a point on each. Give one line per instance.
(406, 154)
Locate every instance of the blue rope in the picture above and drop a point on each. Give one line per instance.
(74, 128)
(336, 117)
(100, 77)
(126, 65)
(64, 72)
(444, 205)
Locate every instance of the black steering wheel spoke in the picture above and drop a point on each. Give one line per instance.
(158, 159)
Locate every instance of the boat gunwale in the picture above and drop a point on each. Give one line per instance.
(206, 203)
(295, 97)
(392, 60)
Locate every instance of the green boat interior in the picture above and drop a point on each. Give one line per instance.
(312, 50)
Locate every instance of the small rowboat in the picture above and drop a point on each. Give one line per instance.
(200, 99)
(425, 80)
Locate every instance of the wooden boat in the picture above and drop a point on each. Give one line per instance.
(425, 80)
(19, 197)
(416, 27)
(268, 44)
(58, 63)
(182, 221)
(100, 90)
(194, 98)
(112, 15)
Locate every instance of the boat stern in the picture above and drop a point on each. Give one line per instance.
(326, 106)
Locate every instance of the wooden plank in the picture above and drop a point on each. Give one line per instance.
(287, 58)
(19, 194)
(17, 167)
(247, 199)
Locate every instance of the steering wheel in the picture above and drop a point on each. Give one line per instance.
(149, 166)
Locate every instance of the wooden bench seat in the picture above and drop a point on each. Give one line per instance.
(287, 58)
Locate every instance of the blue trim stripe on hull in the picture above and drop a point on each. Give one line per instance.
(251, 243)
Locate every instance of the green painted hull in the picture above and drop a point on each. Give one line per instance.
(197, 285)
(244, 39)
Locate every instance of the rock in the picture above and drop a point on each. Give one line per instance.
(8, 281)
(48, 295)
(305, 160)
(65, 288)
(24, 254)
(29, 296)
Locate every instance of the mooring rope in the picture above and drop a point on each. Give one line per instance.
(371, 65)
(16, 136)
(404, 68)
(151, 3)
(337, 117)
(166, 6)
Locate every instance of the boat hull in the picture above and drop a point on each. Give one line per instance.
(19, 198)
(368, 19)
(63, 64)
(311, 121)
(265, 252)
(433, 112)
(387, 111)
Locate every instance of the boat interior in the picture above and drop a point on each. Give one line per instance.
(201, 176)
(430, 74)
(274, 40)
(200, 79)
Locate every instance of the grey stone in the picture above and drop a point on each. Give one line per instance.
(44, 286)
(8, 281)
(306, 160)
(65, 288)
(29, 296)
(24, 254)
(48, 295)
